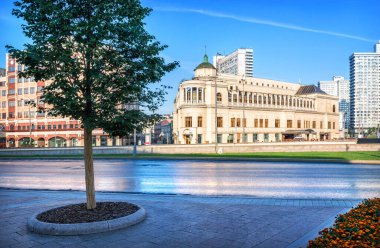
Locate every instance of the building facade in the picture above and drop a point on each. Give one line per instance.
(365, 90)
(23, 126)
(239, 62)
(339, 87)
(234, 109)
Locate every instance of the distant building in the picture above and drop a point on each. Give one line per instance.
(239, 62)
(365, 90)
(339, 87)
(222, 108)
(163, 131)
(2, 72)
(23, 126)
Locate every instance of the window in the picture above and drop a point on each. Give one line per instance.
(11, 92)
(19, 114)
(199, 121)
(321, 124)
(314, 124)
(245, 122)
(11, 68)
(254, 137)
(219, 138)
(3, 92)
(333, 108)
(93, 140)
(333, 125)
(40, 88)
(219, 97)
(3, 104)
(11, 103)
(26, 91)
(256, 123)
(230, 138)
(220, 122)
(266, 137)
(298, 123)
(71, 126)
(32, 90)
(233, 122)
(238, 122)
(19, 91)
(54, 126)
(199, 139)
(329, 125)
(277, 123)
(261, 123)
(49, 127)
(3, 115)
(2, 83)
(188, 122)
(19, 68)
(59, 126)
(10, 115)
(19, 80)
(103, 140)
(11, 80)
(266, 123)
(289, 123)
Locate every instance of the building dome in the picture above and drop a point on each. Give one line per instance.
(205, 64)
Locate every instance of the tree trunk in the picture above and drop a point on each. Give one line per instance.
(89, 169)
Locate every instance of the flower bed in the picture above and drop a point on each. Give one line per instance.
(360, 227)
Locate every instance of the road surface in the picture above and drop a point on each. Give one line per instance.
(258, 179)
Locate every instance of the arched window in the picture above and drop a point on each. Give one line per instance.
(240, 97)
(26, 142)
(229, 97)
(219, 97)
(334, 108)
(264, 99)
(250, 98)
(255, 99)
(57, 142)
(41, 142)
(235, 98)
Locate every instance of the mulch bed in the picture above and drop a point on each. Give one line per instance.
(78, 213)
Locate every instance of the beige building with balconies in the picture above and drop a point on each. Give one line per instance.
(234, 109)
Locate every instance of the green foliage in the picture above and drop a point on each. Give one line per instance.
(98, 59)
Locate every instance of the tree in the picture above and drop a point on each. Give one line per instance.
(98, 59)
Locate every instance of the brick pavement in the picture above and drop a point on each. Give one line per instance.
(177, 221)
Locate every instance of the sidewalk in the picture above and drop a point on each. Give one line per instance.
(177, 221)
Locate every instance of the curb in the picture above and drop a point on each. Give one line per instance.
(36, 226)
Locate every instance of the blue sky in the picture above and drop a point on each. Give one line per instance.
(293, 40)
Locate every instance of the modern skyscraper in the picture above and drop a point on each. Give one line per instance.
(339, 87)
(365, 90)
(239, 62)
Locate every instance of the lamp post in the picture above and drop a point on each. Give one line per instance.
(216, 108)
(244, 99)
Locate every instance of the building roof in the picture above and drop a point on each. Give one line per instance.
(310, 89)
(205, 64)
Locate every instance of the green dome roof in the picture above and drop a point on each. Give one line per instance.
(205, 64)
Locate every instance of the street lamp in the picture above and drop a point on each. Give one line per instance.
(244, 99)
(29, 102)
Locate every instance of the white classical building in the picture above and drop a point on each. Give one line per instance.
(365, 89)
(239, 62)
(339, 87)
(236, 109)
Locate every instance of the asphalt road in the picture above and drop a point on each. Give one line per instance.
(259, 179)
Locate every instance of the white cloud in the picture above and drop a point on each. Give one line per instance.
(263, 22)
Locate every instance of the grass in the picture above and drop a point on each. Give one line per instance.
(345, 156)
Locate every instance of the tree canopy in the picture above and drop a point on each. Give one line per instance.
(97, 57)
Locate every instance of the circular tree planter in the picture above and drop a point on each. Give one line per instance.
(41, 222)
